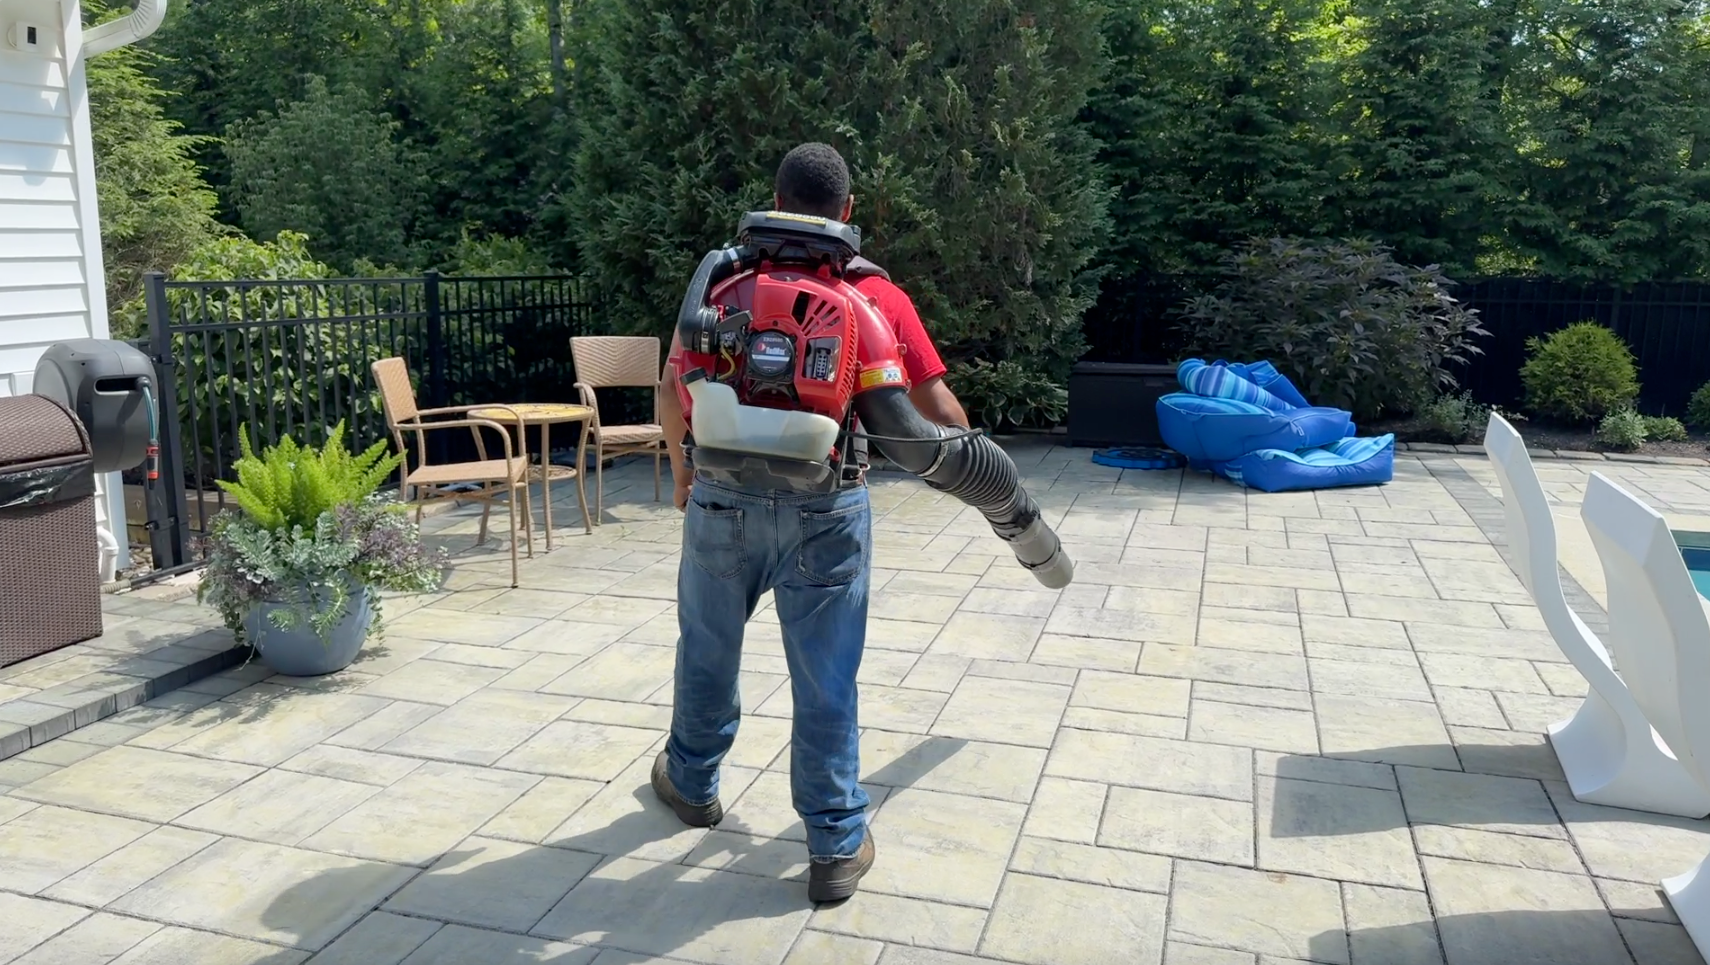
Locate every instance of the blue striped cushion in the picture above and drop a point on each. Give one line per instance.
(1265, 376)
(1340, 453)
(1222, 382)
(1206, 405)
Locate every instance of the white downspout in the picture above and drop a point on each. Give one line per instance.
(145, 18)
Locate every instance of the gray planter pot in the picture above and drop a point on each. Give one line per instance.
(301, 651)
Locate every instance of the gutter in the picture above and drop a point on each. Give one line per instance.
(144, 19)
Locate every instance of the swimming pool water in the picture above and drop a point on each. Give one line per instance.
(1698, 565)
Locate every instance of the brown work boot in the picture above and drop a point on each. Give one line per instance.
(694, 815)
(836, 880)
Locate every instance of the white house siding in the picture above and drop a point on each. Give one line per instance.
(51, 272)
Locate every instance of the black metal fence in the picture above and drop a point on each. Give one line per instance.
(293, 357)
(1667, 325)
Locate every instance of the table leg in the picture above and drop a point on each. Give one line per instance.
(582, 475)
(546, 477)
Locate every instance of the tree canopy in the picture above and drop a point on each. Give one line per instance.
(1007, 156)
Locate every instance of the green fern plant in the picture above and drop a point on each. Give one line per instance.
(311, 536)
(288, 485)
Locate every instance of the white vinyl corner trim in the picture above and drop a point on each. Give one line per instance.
(145, 18)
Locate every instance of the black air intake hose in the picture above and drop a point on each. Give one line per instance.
(696, 320)
(974, 470)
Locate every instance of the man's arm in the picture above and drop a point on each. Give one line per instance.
(671, 420)
(930, 394)
(937, 403)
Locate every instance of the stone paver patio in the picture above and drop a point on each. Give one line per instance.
(1257, 729)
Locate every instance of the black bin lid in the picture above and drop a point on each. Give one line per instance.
(36, 430)
(1123, 368)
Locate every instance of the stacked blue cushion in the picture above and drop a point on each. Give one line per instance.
(1248, 423)
(1243, 383)
(1365, 461)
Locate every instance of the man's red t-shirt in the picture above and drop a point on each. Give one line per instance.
(920, 356)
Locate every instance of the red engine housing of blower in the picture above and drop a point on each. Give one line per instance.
(813, 342)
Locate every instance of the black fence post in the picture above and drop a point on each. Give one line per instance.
(438, 394)
(168, 510)
(436, 389)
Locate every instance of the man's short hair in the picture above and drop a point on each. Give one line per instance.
(814, 180)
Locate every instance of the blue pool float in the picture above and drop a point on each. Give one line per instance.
(1249, 424)
(1139, 457)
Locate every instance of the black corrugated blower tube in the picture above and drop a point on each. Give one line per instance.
(972, 469)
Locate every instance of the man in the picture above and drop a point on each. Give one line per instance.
(813, 551)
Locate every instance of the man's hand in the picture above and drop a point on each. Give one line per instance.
(671, 420)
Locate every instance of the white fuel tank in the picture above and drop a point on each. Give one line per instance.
(721, 422)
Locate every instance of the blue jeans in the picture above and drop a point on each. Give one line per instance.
(814, 553)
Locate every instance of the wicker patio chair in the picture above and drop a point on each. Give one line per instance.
(506, 477)
(611, 361)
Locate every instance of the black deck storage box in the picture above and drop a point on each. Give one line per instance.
(1116, 403)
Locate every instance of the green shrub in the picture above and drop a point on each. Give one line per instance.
(1347, 323)
(1623, 429)
(1455, 419)
(1579, 374)
(227, 258)
(1663, 428)
(1006, 394)
(1698, 410)
(362, 200)
(495, 255)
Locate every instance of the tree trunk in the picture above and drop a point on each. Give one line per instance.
(555, 38)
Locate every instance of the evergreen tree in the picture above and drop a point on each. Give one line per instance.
(482, 101)
(1213, 118)
(980, 186)
(228, 60)
(975, 184)
(1611, 108)
(329, 166)
(1132, 121)
(684, 110)
(1426, 141)
(155, 207)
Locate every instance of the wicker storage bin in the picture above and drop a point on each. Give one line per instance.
(50, 586)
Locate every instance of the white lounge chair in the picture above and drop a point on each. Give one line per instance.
(1608, 750)
(1661, 637)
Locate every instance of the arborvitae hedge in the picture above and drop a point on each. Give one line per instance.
(975, 183)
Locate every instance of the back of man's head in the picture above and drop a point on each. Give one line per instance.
(813, 180)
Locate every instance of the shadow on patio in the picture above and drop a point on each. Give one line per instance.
(640, 883)
(1499, 789)
(1565, 935)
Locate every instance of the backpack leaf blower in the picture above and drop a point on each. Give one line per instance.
(784, 369)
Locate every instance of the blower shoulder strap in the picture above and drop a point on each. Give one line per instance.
(860, 267)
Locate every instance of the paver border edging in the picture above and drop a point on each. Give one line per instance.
(1575, 455)
(35, 720)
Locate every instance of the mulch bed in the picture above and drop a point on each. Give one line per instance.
(1543, 437)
